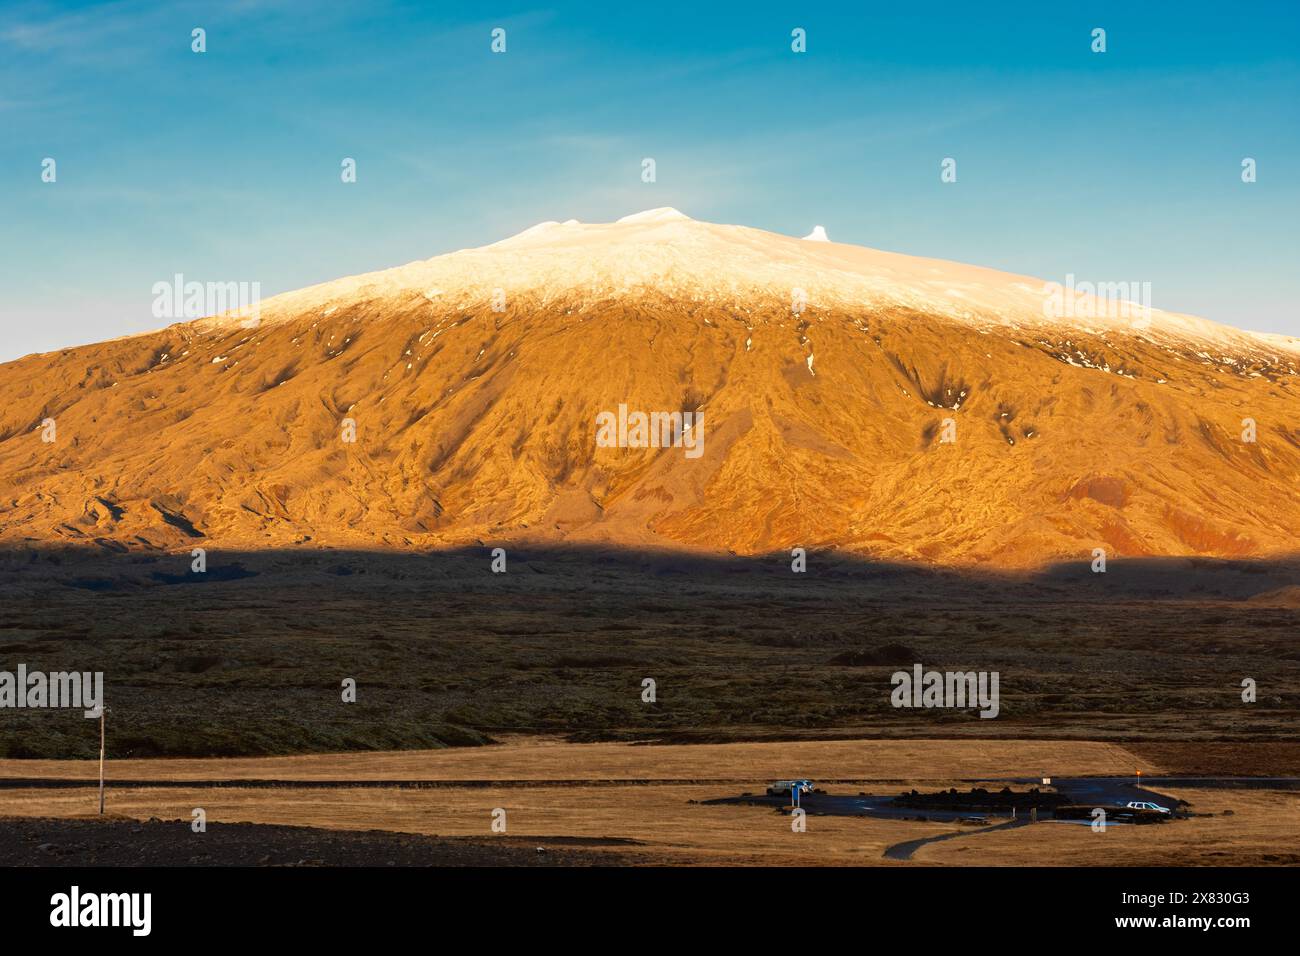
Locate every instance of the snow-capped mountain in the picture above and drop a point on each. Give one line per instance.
(847, 398)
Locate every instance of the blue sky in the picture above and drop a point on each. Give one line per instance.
(1122, 166)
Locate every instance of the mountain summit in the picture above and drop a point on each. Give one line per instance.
(666, 251)
(825, 396)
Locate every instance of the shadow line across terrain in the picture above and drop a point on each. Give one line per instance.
(249, 657)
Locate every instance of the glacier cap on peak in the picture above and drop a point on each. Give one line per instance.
(661, 214)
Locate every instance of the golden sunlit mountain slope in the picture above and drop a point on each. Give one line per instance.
(829, 378)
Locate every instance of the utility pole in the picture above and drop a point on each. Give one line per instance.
(102, 711)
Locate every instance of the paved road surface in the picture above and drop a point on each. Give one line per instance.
(1098, 791)
(904, 851)
(1095, 791)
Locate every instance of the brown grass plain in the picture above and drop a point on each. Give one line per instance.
(653, 796)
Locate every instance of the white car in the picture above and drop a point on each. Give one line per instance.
(783, 787)
(1140, 805)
